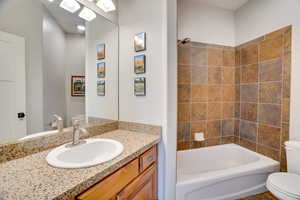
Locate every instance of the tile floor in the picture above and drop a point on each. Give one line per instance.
(263, 196)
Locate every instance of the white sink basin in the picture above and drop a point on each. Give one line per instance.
(91, 153)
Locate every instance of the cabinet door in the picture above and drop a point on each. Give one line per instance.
(113, 184)
(142, 188)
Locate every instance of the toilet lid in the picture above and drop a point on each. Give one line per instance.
(286, 182)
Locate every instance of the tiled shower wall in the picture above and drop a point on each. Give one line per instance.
(206, 94)
(239, 94)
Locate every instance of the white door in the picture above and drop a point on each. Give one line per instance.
(12, 87)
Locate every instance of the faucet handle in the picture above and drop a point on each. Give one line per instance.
(76, 123)
(57, 117)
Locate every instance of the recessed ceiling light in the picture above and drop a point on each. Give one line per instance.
(51, 0)
(87, 14)
(81, 27)
(70, 5)
(106, 5)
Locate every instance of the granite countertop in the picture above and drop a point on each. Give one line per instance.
(32, 178)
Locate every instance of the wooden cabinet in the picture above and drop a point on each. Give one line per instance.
(142, 188)
(107, 188)
(137, 180)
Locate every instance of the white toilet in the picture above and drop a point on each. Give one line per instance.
(286, 186)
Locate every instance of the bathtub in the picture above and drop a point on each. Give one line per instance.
(224, 172)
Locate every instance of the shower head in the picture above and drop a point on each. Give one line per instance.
(184, 41)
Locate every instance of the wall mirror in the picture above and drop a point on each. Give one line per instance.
(56, 59)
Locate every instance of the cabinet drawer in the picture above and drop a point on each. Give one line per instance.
(113, 184)
(148, 158)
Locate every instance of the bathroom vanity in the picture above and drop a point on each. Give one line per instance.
(131, 175)
(136, 180)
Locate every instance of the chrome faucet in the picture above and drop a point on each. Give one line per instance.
(58, 123)
(76, 133)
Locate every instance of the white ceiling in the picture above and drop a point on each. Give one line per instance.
(226, 4)
(67, 21)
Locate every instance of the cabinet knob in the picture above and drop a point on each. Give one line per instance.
(150, 158)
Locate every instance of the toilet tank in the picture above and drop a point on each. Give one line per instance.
(293, 156)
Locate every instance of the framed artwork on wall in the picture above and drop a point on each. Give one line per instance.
(101, 88)
(101, 70)
(140, 42)
(78, 86)
(140, 64)
(140, 86)
(100, 51)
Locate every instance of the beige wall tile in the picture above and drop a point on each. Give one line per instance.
(213, 142)
(287, 40)
(184, 74)
(270, 92)
(248, 144)
(249, 111)
(213, 128)
(285, 134)
(215, 93)
(249, 93)
(228, 110)
(183, 131)
(237, 75)
(270, 114)
(269, 136)
(199, 56)
(228, 127)
(183, 145)
(237, 110)
(215, 75)
(214, 111)
(237, 128)
(248, 130)
(184, 93)
(199, 93)
(184, 56)
(228, 75)
(199, 75)
(249, 54)
(249, 73)
(215, 56)
(237, 57)
(198, 111)
(229, 57)
(271, 48)
(286, 110)
(271, 70)
(269, 152)
(184, 112)
(227, 140)
(229, 93)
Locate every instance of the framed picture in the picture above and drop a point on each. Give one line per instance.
(101, 88)
(140, 42)
(140, 64)
(100, 51)
(78, 86)
(140, 86)
(101, 70)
